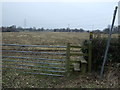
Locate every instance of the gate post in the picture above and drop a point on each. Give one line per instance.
(68, 59)
(90, 52)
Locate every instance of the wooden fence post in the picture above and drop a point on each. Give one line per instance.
(83, 66)
(68, 58)
(90, 52)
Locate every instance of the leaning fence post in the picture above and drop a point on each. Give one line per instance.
(68, 58)
(90, 52)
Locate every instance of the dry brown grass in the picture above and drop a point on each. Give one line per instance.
(43, 38)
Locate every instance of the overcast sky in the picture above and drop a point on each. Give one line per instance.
(86, 15)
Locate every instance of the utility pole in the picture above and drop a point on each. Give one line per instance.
(68, 26)
(92, 27)
(25, 23)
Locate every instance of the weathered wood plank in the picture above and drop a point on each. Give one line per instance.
(78, 54)
(78, 47)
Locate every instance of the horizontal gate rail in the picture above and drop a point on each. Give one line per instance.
(33, 58)
(35, 66)
(37, 73)
(34, 62)
(35, 46)
(38, 50)
(35, 69)
(34, 52)
(44, 66)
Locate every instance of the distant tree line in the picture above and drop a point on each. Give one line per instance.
(13, 28)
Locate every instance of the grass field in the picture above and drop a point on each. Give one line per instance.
(43, 38)
(75, 80)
